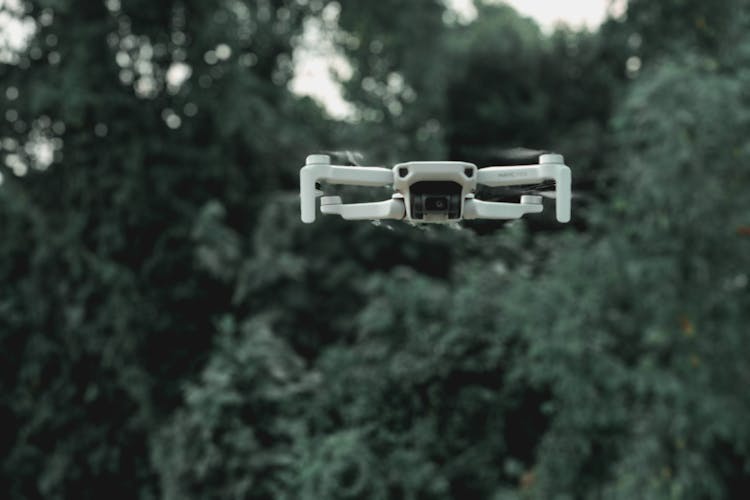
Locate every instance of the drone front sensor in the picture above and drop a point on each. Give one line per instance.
(433, 191)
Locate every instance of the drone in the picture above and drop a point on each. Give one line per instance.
(432, 191)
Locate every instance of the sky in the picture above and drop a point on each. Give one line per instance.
(14, 30)
(316, 57)
(548, 13)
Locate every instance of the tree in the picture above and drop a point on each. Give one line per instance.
(107, 310)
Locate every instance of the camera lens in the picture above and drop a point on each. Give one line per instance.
(435, 200)
(436, 203)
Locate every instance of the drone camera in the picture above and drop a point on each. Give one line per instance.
(436, 203)
(435, 200)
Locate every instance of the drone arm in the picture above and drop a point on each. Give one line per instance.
(510, 175)
(318, 168)
(550, 167)
(359, 176)
(389, 209)
(478, 209)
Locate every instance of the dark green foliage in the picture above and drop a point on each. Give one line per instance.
(501, 59)
(168, 327)
(671, 26)
(107, 310)
(400, 68)
(208, 450)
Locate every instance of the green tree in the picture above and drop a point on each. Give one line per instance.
(106, 307)
(639, 329)
(400, 64)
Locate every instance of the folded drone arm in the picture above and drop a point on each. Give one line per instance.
(389, 209)
(318, 168)
(550, 167)
(478, 209)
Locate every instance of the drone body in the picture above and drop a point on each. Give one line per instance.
(433, 191)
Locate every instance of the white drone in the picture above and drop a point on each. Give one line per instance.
(433, 191)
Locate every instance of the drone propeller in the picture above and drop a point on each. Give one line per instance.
(502, 156)
(507, 193)
(348, 158)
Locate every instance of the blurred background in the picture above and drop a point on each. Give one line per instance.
(170, 329)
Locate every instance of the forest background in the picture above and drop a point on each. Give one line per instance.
(170, 329)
